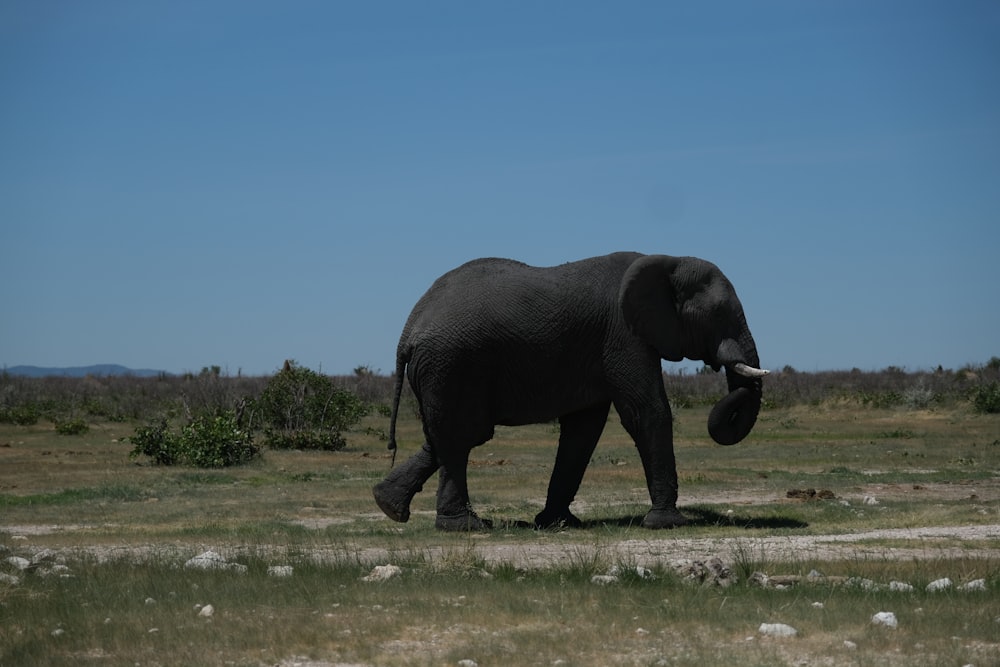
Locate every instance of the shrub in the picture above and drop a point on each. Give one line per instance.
(72, 427)
(157, 442)
(986, 398)
(217, 442)
(21, 415)
(880, 399)
(918, 397)
(302, 409)
(207, 441)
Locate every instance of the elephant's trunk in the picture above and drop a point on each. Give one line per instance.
(735, 414)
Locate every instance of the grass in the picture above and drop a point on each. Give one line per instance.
(124, 612)
(313, 510)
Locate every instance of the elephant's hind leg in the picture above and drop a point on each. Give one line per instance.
(394, 493)
(454, 511)
(578, 436)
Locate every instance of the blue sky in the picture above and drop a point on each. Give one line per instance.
(186, 184)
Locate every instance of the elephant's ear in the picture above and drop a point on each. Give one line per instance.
(649, 304)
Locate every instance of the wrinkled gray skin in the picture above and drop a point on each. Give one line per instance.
(499, 342)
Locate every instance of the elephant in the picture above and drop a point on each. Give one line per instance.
(498, 342)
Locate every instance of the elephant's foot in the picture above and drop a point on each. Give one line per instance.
(467, 521)
(393, 500)
(669, 518)
(557, 519)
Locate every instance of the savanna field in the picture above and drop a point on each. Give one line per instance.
(856, 496)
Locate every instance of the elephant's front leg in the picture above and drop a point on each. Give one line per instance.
(454, 511)
(652, 431)
(578, 436)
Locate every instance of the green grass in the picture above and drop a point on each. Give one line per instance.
(460, 608)
(105, 492)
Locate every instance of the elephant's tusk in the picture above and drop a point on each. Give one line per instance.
(749, 371)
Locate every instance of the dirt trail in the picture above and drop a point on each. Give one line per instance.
(575, 546)
(546, 549)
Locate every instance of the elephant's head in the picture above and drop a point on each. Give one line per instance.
(684, 307)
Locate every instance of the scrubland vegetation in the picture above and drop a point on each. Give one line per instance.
(132, 399)
(885, 454)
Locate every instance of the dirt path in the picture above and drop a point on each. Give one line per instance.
(662, 547)
(940, 542)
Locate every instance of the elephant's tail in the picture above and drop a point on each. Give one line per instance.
(401, 360)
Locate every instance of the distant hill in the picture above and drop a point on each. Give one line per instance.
(80, 371)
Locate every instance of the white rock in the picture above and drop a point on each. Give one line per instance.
(640, 571)
(642, 632)
(604, 579)
(818, 605)
(9, 579)
(900, 586)
(279, 571)
(44, 556)
(886, 618)
(468, 663)
(19, 563)
(939, 585)
(974, 585)
(383, 573)
(206, 561)
(150, 602)
(207, 611)
(777, 630)
(862, 583)
(58, 632)
(712, 572)
(870, 500)
(211, 560)
(849, 645)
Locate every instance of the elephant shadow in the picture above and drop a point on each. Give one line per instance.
(701, 516)
(697, 516)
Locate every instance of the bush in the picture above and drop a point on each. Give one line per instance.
(208, 441)
(21, 415)
(918, 397)
(986, 398)
(302, 409)
(72, 427)
(880, 399)
(157, 442)
(217, 442)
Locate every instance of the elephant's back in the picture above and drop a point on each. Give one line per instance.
(497, 278)
(492, 293)
(497, 300)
